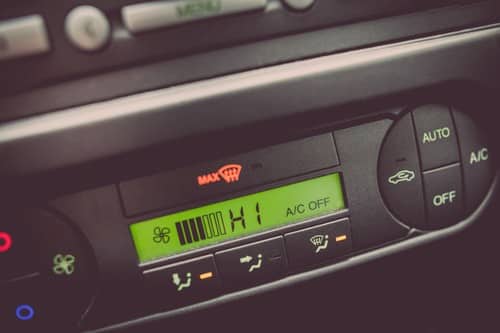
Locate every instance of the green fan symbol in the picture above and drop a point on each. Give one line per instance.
(64, 264)
(161, 235)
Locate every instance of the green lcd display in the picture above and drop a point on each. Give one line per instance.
(250, 214)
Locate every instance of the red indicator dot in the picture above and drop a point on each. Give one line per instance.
(5, 242)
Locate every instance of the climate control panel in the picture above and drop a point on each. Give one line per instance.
(173, 238)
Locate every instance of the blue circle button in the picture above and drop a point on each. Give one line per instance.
(25, 312)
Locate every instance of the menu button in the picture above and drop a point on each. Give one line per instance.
(158, 14)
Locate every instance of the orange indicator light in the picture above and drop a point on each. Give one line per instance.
(341, 238)
(207, 275)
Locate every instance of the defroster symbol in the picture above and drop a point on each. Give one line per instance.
(230, 173)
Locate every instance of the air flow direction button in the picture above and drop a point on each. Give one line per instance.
(182, 283)
(319, 243)
(252, 264)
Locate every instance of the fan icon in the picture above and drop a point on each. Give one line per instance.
(161, 235)
(64, 264)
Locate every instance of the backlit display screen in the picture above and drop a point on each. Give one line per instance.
(238, 217)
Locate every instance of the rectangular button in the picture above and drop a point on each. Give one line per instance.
(319, 243)
(203, 181)
(445, 198)
(399, 173)
(153, 15)
(478, 168)
(252, 264)
(182, 283)
(436, 136)
(22, 37)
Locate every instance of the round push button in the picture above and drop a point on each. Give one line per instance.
(299, 4)
(87, 28)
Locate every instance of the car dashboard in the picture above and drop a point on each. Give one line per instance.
(228, 165)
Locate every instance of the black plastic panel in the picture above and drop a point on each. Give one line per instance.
(138, 77)
(92, 133)
(206, 181)
(358, 149)
(125, 49)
